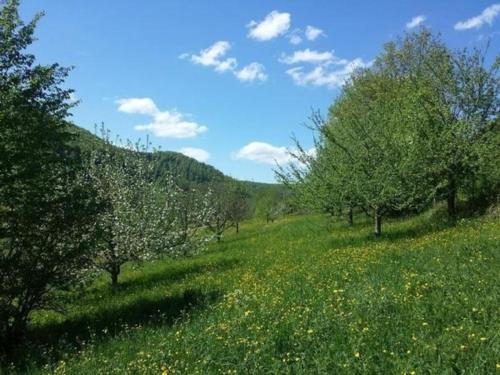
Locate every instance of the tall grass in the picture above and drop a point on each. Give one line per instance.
(301, 295)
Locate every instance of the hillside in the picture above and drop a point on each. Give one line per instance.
(184, 168)
(302, 295)
(189, 171)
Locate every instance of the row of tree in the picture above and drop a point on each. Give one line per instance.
(421, 124)
(68, 212)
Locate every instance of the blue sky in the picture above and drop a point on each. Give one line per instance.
(230, 81)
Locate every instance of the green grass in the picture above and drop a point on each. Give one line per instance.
(301, 295)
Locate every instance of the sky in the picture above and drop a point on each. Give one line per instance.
(230, 82)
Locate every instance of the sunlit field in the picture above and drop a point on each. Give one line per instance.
(302, 295)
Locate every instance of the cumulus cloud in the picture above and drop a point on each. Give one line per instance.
(415, 21)
(312, 33)
(143, 106)
(273, 25)
(167, 124)
(295, 37)
(214, 56)
(195, 153)
(330, 70)
(251, 72)
(323, 75)
(486, 16)
(307, 56)
(265, 153)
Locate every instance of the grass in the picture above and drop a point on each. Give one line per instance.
(301, 295)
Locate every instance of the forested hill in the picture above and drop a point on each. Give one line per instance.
(186, 170)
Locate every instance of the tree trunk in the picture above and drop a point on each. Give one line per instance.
(115, 271)
(237, 227)
(451, 199)
(350, 220)
(14, 335)
(377, 222)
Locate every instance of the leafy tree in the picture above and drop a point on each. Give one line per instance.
(420, 123)
(321, 180)
(372, 128)
(239, 203)
(46, 209)
(459, 96)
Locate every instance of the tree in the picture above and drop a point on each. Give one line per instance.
(133, 210)
(420, 123)
(372, 128)
(458, 95)
(239, 203)
(46, 209)
(192, 210)
(220, 217)
(320, 180)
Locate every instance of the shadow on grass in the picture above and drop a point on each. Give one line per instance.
(362, 235)
(172, 274)
(59, 338)
(118, 314)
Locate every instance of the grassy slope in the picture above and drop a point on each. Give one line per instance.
(298, 296)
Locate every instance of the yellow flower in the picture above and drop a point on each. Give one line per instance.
(357, 354)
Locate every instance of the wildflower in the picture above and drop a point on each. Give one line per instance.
(357, 355)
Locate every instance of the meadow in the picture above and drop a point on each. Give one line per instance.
(302, 295)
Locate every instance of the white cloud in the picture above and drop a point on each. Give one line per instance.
(294, 37)
(324, 76)
(308, 56)
(330, 71)
(273, 25)
(313, 32)
(251, 72)
(143, 106)
(214, 56)
(195, 153)
(264, 153)
(415, 21)
(487, 16)
(168, 124)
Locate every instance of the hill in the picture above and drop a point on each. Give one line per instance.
(184, 168)
(188, 171)
(301, 295)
